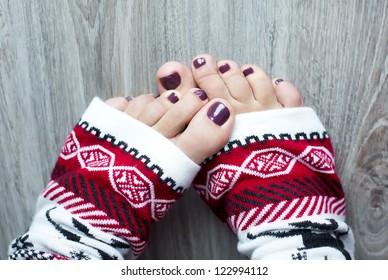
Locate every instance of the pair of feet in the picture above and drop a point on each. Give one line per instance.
(196, 107)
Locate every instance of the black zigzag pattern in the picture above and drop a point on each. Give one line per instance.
(134, 153)
(267, 137)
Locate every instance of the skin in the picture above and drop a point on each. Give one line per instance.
(201, 122)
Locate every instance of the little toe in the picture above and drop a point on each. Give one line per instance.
(119, 103)
(156, 109)
(176, 118)
(208, 131)
(174, 75)
(287, 94)
(235, 81)
(261, 86)
(207, 77)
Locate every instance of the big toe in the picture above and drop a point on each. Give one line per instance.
(287, 94)
(208, 131)
(174, 75)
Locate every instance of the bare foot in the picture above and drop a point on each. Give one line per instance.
(276, 173)
(246, 88)
(197, 126)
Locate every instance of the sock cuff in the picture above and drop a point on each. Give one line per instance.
(118, 175)
(278, 124)
(274, 183)
(278, 164)
(142, 142)
(287, 123)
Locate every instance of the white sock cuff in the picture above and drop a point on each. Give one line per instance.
(287, 123)
(116, 126)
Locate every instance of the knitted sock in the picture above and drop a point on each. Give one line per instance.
(113, 178)
(275, 185)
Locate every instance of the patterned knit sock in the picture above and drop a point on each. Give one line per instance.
(276, 187)
(113, 178)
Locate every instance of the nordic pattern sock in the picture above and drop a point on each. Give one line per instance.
(275, 185)
(113, 178)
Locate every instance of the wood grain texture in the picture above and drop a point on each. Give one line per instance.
(55, 56)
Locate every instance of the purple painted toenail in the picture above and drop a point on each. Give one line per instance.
(248, 71)
(156, 95)
(218, 113)
(278, 81)
(173, 98)
(201, 94)
(129, 98)
(224, 68)
(199, 62)
(171, 81)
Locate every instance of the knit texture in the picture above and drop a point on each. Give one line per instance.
(110, 182)
(275, 180)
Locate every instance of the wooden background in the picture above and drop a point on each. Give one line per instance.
(56, 55)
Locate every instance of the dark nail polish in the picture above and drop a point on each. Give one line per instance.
(278, 81)
(173, 98)
(201, 94)
(218, 113)
(171, 81)
(199, 62)
(156, 95)
(129, 98)
(224, 68)
(248, 71)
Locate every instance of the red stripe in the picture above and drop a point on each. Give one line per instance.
(57, 195)
(316, 206)
(303, 210)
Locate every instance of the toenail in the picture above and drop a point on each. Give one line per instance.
(248, 71)
(278, 81)
(129, 98)
(156, 95)
(171, 81)
(201, 94)
(173, 98)
(199, 62)
(218, 113)
(224, 68)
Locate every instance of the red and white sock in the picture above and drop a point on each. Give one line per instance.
(113, 178)
(276, 187)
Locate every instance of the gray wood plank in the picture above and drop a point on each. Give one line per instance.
(55, 56)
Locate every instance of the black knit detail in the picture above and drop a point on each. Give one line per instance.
(25, 254)
(268, 137)
(313, 235)
(134, 153)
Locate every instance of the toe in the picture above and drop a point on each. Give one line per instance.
(208, 131)
(119, 103)
(174, 75)
(287, 94)
(207, 77)
(137, 105)
(176, 118)
(235, 81)
(155, 110)
(261, 86)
